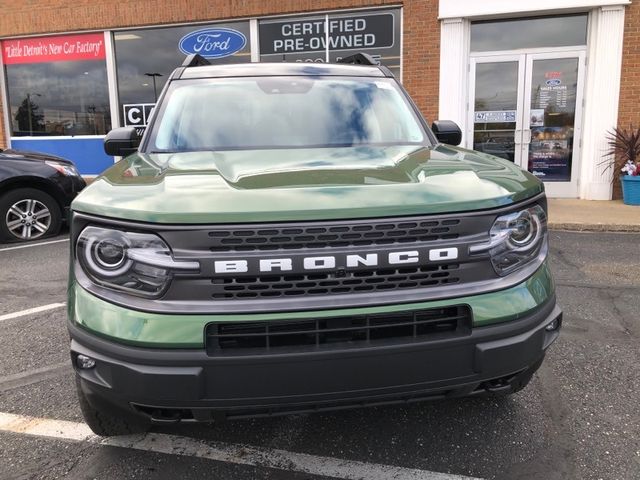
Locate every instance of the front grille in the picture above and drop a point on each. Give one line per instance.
(340, 234)
(269, 286)
(296, 288)
(276, 337)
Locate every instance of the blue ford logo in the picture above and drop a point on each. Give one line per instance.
(553, 82)
(213, 42)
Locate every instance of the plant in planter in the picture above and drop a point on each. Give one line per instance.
(624, 146)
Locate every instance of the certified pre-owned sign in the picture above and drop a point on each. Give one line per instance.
(213, 42)
(310, 34)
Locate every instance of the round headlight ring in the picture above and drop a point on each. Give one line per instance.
(109, 253)
(525, 231)
(106, 267)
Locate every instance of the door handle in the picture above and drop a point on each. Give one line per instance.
(526, 136)
(517, 137)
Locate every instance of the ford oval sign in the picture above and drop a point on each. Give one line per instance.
(553, 82)
(213, 42)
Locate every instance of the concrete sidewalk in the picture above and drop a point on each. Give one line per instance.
(593, 215)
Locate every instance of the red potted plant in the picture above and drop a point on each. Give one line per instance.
(624, 146)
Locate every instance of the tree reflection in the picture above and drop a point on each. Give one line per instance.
(28, 116)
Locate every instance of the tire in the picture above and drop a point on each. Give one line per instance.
(31, 204)
(108, 423)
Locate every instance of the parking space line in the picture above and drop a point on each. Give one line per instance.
(29, 311)
(218, 451)
(29, 245)
(22, 379)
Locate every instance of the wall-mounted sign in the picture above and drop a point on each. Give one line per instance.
(309, 34)
(213, 42)
(495, 116)
(63, 48)
(329, 37)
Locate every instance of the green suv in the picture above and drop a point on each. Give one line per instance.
(293, 237)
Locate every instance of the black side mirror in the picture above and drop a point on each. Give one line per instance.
(447, 132)
(121, 141)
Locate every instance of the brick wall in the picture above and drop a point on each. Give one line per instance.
(3, 137)
(420, 42)
(628, 111)
(421, 49)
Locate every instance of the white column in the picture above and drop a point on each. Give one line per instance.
(112, 79)
(6, 106)
(601, 99)
(454, 74)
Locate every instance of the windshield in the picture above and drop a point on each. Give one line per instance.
(284, 112)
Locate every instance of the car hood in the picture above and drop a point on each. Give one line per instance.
(304, 184)
(28, 155)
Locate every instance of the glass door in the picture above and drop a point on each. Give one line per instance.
(553, 119)
(495, 122)
(527, 108)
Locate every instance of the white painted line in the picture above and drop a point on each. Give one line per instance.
(221, 452)
(29, 311)
(43, 427)
(29, 245)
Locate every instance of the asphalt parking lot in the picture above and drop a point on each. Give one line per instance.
(579, 418)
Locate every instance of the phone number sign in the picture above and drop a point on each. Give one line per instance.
(495, 116)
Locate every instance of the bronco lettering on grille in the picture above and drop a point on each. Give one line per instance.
(331, 262)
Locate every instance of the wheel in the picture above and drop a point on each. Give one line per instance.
(27, 214)
(108, 423)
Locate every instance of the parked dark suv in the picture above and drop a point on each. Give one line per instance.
(36, 190)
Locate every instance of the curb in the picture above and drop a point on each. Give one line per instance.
(593, 227)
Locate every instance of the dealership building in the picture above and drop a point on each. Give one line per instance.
(540, 83)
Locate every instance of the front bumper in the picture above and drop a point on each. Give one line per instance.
(170, 384)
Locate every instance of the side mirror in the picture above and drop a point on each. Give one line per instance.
(447, 132)
(121, 141)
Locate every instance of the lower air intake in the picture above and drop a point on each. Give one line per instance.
(357, 331)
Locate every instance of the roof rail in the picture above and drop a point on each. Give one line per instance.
(359, 59)
(195, 60)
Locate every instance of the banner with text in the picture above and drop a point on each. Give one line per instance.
(63, 48)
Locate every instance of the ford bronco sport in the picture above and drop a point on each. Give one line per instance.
(293, 237)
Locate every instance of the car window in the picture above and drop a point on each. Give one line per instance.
(276, 112)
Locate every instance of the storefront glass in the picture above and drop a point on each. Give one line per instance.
(564, 31)
(57, 86)
(495, 105)
(553, 107)
(145, 58)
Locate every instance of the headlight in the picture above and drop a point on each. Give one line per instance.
(515, 239)
(63, 168)
(138, 263)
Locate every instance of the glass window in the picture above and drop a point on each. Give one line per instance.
(303, 39)
(145, 58)
(57, 85)
(565, 31)
(284, 112)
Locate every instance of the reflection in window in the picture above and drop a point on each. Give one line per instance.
(145, 59)
(58, 98)
(284, 112)
(568, 30)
